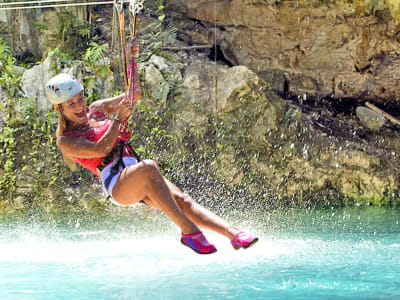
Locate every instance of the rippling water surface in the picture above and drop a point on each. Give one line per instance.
(136, 254)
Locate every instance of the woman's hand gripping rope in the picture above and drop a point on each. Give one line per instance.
(133, 86)
(125, 109)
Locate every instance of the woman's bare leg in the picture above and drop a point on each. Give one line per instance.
(201, 216)
(144, 181)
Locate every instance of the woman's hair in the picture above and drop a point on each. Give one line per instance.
(61, 127)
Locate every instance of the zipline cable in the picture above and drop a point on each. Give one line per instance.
(123, 46)
(57, 5)
(33, 2)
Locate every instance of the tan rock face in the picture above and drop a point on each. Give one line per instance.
(321, 47)
(257, 135)
(369, 118)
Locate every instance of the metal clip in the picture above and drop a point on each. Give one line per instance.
(135, 6)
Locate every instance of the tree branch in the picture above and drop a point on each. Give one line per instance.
(383, 113)
(183, 48)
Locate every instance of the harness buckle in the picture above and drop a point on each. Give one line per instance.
(115, 169)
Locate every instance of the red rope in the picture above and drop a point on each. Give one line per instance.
(129, 68)
(124, 131)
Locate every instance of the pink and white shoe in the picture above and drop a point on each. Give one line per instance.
(244, 240)
(198, 243)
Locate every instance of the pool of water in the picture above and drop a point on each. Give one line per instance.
(135, 254)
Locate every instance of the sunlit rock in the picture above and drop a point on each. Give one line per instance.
(166, 67)
(34, 83)
(394, 7)
(3, 16)
(155, 83)
(221, 90)
(370, 118)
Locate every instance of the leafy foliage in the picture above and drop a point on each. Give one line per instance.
(24, 135)
(156, 35)
(10, 86)
(60, 59)
(4, 50)
(73, 35)
(92, 59)
(10, 80)
(94, 53)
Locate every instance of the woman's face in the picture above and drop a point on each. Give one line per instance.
(75, 109)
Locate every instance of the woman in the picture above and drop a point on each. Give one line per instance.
(87, 136)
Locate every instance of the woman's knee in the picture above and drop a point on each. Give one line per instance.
(151, 167)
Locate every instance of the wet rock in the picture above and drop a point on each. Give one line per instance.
(369, 118)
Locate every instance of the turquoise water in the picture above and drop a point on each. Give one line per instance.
(135, 254)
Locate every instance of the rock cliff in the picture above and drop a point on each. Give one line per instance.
(337, 49)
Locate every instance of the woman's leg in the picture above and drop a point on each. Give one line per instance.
(201, 216)
(144, 181)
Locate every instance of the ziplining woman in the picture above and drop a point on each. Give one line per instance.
(88, 136)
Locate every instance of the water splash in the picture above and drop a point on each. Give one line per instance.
(348, 253)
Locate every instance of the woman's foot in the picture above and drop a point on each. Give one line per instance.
(244, 240)
(198, 243)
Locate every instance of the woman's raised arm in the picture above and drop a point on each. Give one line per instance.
(108, 105)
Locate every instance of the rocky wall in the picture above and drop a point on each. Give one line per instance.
(336, 49)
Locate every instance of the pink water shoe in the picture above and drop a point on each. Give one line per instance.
(198, 243)
(244, 240)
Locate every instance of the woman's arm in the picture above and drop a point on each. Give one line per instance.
(75, 147)
(108, 106)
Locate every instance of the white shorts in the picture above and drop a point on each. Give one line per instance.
(128, 161)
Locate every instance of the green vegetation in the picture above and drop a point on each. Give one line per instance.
(73, 34)
(155, 34)
(10, 83)
(99, 70)
(32, 163)
(29, 155)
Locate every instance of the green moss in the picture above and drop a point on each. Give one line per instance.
(370, 7)
(394, 7)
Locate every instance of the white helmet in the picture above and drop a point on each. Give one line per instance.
(62, 87)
